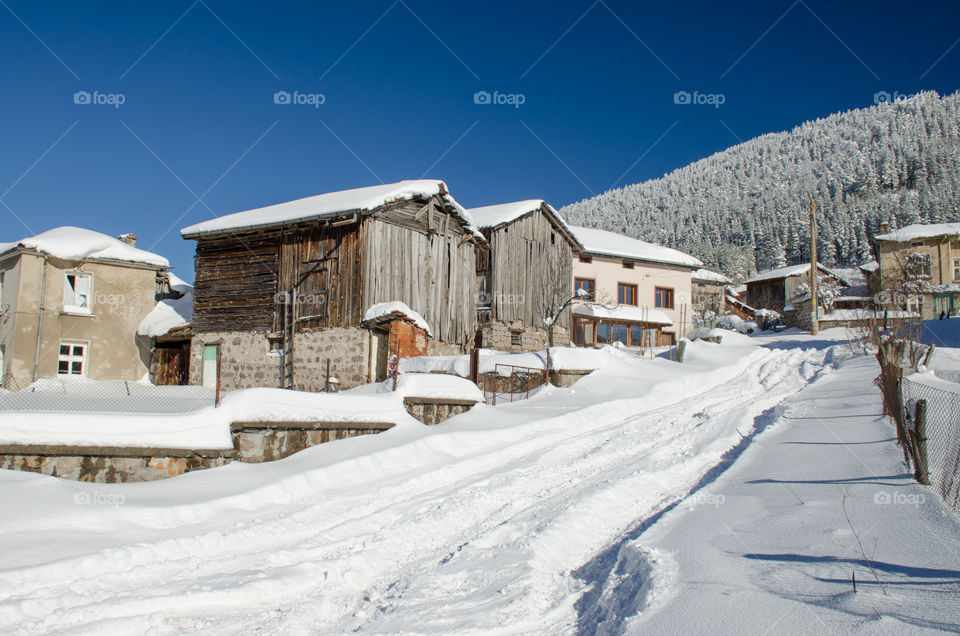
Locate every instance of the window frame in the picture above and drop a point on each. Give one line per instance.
(670, 295)
(956, 270)
(73, 308)
(625, 264)
(586, 258)
(593, 285)
(632, 287)
(71, 358)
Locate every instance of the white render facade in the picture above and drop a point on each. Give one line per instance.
(642, 293)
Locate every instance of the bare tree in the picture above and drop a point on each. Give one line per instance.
(554, 290)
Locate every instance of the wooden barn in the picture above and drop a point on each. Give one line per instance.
(283, 289)
(525, 276)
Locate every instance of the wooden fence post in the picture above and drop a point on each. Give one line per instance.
(922, 468)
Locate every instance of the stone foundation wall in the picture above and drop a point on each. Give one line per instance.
(435, 411)
(270, 441)
(246, 360)
(567, 377)
(109, 465)
(499, 335)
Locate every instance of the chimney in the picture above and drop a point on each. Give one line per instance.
(129, 239)
(884, 228)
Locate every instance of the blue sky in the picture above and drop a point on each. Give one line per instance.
(198, 133)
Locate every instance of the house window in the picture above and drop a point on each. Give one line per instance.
(626, 294)
(516, 338)
(586, 284)
(77, 292)
(627, 264)
(956, 270)
(919, 265)
(663, 297)
(586, 258)
(73, 358)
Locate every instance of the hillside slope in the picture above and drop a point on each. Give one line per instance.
(744, 208)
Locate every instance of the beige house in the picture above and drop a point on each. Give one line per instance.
(640, 294)
(525, 276)
(925, 261)
(70, 303)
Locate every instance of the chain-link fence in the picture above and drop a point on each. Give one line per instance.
(932, 411)
(73, 394)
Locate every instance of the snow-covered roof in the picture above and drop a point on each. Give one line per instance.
(169, 313)
(792, 270)
(395, 309)
(494, 215)
(491, 216)
(612, 244)
(78, 244)
(329, 204)
(870, 266)
(921, 231)
(624, 312)
(707, 276)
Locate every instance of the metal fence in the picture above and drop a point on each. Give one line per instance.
(510, 382)
(82, 395)
(933, 414)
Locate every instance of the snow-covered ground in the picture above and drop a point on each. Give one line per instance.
(651, 496)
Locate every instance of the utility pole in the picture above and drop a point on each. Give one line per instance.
(815, 322)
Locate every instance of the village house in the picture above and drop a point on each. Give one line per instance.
(525, 276)
(640, 294)
(338, 278)
(71, 301)
(709, 291)
(775, 289)
(922, 263)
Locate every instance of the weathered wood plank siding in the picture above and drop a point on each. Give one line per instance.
(417, 254)
(520, 252)
(324, 264)
(236, 280)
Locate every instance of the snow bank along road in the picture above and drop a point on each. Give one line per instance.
(485, 522)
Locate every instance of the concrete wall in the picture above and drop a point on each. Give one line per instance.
(121, 297)
(10, 271)
(607, 272)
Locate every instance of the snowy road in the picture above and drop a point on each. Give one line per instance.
(497, 520)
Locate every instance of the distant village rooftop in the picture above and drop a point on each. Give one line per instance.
(612, 244)
(921, 231)
(328, 205)
(78, 244)
(792, 270)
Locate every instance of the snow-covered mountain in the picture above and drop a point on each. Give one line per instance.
(746, 208)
